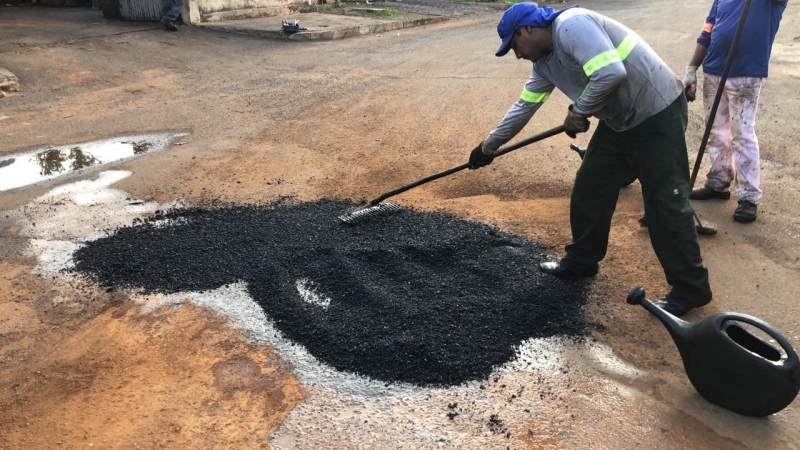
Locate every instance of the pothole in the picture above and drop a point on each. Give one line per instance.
(418, 297)
(553, 391)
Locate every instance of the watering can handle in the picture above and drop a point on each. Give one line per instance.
(791, 355)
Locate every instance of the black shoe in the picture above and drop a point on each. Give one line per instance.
(677, 306)
(746, 212)
(706, 193)
(643, 222)
(554, 268)
(170, 25)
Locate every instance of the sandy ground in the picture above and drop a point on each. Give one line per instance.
(351, 119)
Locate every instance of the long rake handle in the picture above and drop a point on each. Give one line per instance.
(510, 148)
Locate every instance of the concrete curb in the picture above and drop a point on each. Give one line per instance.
(329, 35)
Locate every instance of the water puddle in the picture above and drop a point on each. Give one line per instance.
(50, 162)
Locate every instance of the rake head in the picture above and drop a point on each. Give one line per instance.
(707, 228)
(368, 211)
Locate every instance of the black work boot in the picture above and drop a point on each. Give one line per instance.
(746, 212)
(169, 25)
(706, 193)
(677, 305)
(558, 269)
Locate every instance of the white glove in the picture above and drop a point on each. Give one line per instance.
(690, 79)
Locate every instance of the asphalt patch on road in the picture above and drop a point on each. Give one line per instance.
(418, 297)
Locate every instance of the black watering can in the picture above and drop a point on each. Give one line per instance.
(728, 365)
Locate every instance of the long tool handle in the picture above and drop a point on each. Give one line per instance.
(510, 148)
(713, 113)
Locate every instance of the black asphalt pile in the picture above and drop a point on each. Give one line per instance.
(418, 297)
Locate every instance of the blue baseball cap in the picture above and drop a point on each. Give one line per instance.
(524, 15)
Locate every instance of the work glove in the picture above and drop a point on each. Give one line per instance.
(478, 158)
(575, 123)
(690, 82)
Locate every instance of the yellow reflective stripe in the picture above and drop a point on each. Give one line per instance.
(600, 61)
(626, 46)
(610, 57)
(534, 97)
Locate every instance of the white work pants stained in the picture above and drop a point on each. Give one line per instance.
(732, 144)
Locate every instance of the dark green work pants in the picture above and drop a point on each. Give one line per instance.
(654, 151)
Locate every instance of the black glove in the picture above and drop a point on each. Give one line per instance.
(575, 123)
(478, 159)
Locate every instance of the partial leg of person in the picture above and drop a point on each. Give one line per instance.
(593, 201)
(743, 100)
(173, 10)
(721, 174)
(656, 150)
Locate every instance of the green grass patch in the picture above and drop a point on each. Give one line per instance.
(394, 15)
(388, 12)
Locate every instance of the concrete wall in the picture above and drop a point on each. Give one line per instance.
(214, 10)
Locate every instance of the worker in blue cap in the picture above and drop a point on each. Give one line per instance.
(609, 73)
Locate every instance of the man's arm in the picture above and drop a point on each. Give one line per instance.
(703, 41)
(699, 53)
(537, 90)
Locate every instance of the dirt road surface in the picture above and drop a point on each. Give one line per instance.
(81, 366)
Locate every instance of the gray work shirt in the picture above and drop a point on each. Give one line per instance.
(606, 69)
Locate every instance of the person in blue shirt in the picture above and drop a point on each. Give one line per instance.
(732, 145)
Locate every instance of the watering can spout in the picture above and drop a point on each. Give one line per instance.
(677, 328)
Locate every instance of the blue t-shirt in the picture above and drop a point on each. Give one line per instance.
(755, 43)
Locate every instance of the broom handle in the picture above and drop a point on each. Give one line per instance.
(544, 135)
(713, 113)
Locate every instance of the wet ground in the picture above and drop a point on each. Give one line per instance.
(82, 364)
(19, 170)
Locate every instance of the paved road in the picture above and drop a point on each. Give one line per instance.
(350, 119)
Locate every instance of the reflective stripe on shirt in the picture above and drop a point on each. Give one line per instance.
(612, 56)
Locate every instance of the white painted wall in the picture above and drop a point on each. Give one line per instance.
(214, 10)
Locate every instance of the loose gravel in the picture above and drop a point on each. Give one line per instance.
(419, 297)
